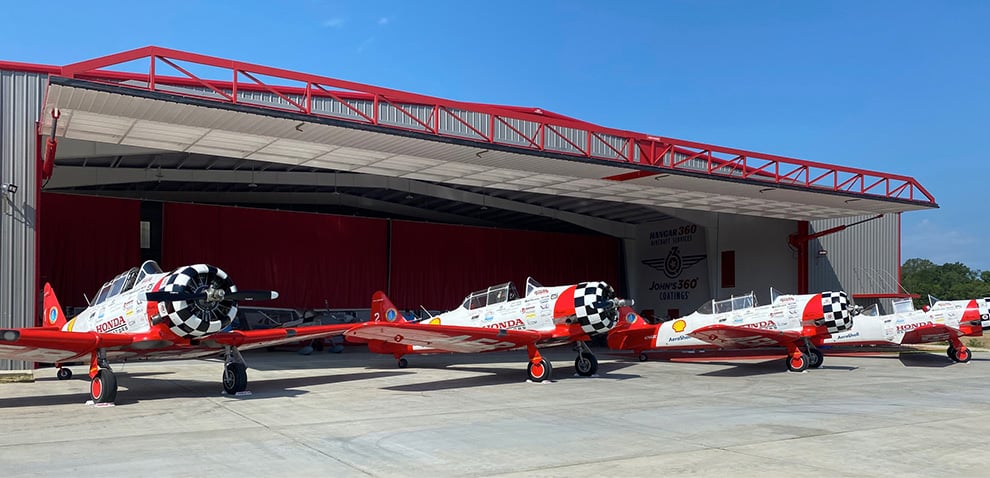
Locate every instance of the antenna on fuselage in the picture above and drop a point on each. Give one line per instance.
(88, 303)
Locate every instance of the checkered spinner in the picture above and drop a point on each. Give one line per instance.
(190, 318)
(591, 309)
(836, 312)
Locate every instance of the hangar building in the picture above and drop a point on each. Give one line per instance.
(328, 190)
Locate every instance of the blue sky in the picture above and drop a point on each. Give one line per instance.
(894, 86)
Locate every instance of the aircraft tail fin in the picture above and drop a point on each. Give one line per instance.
(382, 308)
(54, 316)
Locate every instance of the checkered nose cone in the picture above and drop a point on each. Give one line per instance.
(198, 318)
(595, 307)
(836, 311)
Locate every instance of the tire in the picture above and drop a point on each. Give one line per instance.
(63, 374)
(403, 363)
(586, 365)
(234, 378)
(951, 353)
(103, 387)
(815, 358)
(539, 371)
(643, 357)
(962, 355)
(797, 364)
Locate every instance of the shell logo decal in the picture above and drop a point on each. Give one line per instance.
(679, 325)
(434, 321)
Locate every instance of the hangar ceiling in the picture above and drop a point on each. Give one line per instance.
(146, 140)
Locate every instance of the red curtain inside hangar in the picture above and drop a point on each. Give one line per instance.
(436, 266)
(86, 241)
(307, 258)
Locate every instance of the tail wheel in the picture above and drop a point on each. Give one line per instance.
(540, 371)
(586, 365)
(234, 378)
(402, 362)
(103, 387)
(797, 363)
(962, 355)
(63, 374)
(642, 357)
(815, 358)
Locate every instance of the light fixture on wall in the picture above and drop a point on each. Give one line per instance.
(8, 188)
(822, 252)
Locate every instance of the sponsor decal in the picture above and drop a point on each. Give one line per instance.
(679, 325)
(543, 292)
(848, 336)
(678, 338)
(112, 325)
(434, 321)
(531, 315)
(509, 324)
(390, 315)
(553, 296)
(52, 315)
(910, 327)
(763, 324)
(674, 264)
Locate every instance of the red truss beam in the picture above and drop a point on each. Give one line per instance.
(524, 128)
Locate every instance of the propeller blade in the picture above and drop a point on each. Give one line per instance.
(162, 296)
(253, 295)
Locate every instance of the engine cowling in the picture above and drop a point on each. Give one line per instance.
(837, 312)
(202, 316)
(596, 307)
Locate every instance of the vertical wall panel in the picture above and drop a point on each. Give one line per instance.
(21, 96)
(863, 259)
(86, 241)
(310, 259)
(436, 266)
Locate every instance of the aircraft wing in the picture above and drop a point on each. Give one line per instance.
(448, 337)
(730, 336)
(930, 333)
(53, 345)
(252, 339)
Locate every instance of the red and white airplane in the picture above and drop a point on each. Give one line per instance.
(790, 321)
(146, 313)
(496, 318)
(944, 320)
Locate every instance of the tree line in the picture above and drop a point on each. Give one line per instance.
(949, 281)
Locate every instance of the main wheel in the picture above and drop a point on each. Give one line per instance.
(234, 378)
(103, 387)
(63, 374)
(539, 371)
(403, 363)
(643, 357)
(797, 363)
(815, 358)
(586, 365)
(962, 355)
(951, 353)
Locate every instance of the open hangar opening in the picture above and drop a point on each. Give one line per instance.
(328, 190)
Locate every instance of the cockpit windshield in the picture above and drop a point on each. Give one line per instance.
(493, 295)
(747, 301)
(148, 268)
(125, 281)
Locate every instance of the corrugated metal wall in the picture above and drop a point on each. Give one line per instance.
(862, 259)
(21, 96)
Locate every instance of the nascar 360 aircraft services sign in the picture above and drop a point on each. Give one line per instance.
(673, 268)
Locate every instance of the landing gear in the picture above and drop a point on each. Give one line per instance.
(539, 368)
(540, 371)
(103, 383)
(103, 387)
(586, 364)
(234, 372)
(960, 353)
(797, 362)
(402, 362)
(815, 358)
(63, 373)
(643, 357)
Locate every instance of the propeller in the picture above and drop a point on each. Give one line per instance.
(211, 295)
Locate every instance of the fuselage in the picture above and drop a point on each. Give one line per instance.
(916, 326)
